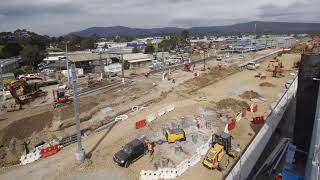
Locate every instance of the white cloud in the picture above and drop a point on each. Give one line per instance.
(56, 17)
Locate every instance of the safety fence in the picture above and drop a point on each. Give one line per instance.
(249, 158)
(171, 173)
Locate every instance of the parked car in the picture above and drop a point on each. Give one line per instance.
(130, 153)
(252, 66)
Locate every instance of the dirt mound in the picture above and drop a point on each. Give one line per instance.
(233, 104)
(25, 127)
(266, 84)
(250, 95)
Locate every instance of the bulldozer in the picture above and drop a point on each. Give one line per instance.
(23, 92)
(218, 155)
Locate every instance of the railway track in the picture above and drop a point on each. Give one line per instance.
(106, 88)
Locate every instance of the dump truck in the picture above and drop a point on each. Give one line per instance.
(218, 156)
(173, 135)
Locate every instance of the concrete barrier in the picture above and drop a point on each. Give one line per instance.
(31, 157)
(249, 158)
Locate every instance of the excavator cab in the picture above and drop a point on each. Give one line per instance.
(225, 140)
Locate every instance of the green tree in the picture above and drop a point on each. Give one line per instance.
(11, 49)
(32, 55)
(149, 49)
(87, 43)
(135, 50)
(185, 35)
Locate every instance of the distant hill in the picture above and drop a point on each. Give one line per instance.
(241, 28)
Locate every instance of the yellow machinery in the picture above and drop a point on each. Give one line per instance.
(22, 92)
(218, 155)
(173, 135)
(215, 158)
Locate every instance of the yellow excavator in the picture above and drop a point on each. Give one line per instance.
(23, 92)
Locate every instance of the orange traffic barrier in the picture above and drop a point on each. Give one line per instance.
(141, 124)
(49, 151)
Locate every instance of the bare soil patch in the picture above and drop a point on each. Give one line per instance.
(266, 84)
(250, 95)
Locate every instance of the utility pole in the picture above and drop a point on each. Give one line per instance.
(3, 95)
(80, 151)
(122, 68)
(67, 63)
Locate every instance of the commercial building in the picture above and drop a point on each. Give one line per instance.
(136, 60)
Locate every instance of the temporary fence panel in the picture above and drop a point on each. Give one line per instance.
(149, 175)
(141, 124)
(248, 159)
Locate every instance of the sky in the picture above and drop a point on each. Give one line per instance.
(59, 17)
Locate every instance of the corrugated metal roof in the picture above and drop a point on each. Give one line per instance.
(79, 57)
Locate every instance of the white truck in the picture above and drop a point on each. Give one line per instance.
(113, 69)
(252, 66)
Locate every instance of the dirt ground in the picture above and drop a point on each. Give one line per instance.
(198, 92)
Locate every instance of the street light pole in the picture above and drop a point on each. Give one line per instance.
(3, 95)
(122, 68)
(67, 63)
(80, 154)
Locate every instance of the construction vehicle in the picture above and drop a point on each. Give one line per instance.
(218, 155)
(23, 92)
(173, 135)
(60, 98)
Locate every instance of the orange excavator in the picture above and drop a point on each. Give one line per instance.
(23, 92)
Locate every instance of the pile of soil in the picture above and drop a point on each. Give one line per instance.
(233, 104)
(250, 95)
(266, 84)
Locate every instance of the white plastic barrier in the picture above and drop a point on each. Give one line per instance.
(29, 158)
(202, 150)
(149, 175)
(121, 117)
(168, 173)
(239, 117)
(170, 108)
(151, 118)
(249, 158)
(194, 160)
(162, 111)
(182, 167)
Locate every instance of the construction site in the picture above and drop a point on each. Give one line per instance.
(198, 118)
